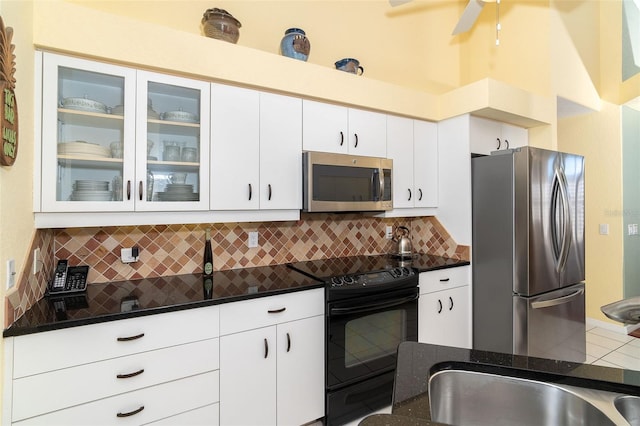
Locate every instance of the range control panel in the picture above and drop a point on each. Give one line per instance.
(370, 279)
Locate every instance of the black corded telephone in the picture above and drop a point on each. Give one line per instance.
(68, 279)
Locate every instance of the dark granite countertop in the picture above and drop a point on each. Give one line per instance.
(422, 262)
(416, 362)
(104, 302)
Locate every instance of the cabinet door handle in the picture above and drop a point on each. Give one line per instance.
(140, 190)
(341, 138)
(356, 135)
(129, 375)
(131, 413)
(288, 342)
(128, 190)
(450, 303)
(269, 192)
(277, 311)
(129, 338)
(499, 143)
(444, 280)
(266, 349)
(409, 189)
(420, 196)
(250, 192)
(507, 142)
(439, 306)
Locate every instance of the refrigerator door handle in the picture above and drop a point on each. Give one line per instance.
(556, 220)
(558, 301)
(566, 221)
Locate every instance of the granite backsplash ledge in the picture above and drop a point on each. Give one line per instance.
(178, 249)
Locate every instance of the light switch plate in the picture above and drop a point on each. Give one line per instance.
(604, 229)
(253, 239)
(388, 234)
(11, 273)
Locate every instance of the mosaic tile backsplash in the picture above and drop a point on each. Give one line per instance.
(178, 249)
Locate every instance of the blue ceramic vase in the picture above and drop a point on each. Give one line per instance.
(295, 44)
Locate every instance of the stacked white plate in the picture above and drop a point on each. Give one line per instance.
(178, 192)
(83, 149)
(91, 190)
(84, 104)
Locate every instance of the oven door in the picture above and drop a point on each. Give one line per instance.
(363, 334)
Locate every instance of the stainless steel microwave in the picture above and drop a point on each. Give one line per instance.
(345, 183)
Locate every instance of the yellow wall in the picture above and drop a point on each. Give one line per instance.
(16, 182)
(402, 45)
(597, 136)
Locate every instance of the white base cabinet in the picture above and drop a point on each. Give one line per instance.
(444, 308)
(272, 365)
(127, 371)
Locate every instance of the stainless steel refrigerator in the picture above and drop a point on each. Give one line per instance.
(528, 253)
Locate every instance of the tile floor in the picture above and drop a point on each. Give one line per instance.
(611, 349)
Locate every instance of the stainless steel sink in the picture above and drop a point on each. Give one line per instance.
(460, 397)
(629, 407)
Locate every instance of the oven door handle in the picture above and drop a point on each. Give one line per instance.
(373, 306)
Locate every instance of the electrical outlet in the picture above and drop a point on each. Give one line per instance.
(253, 239)
(604, 229)
(632, 229)
(11, 273)
(36, 261)
(388, 232)
(129, 255)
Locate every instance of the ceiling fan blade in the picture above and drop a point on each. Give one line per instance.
(395, 3)
(469, 16)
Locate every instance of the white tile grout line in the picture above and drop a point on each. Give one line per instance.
(607, 334)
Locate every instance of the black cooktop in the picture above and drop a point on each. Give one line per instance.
(325, 269)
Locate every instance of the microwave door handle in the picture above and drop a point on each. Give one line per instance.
(381, 179)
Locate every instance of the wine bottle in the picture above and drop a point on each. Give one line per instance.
(208, 255)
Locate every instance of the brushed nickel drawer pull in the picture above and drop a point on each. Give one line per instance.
(129, 375)
(130, 413)
(444, 280)
(127, 339)
(276, 311)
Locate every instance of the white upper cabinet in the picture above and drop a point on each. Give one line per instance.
(487, 136)
(172, 150)
(400, 150)
(333, 128)
(425, 163)
(367, 133)
(97, 156)
(413, 146)
(235, 148)
(256, 150)
(80, 170)
(280, 152)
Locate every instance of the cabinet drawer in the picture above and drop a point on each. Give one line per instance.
(208, 415)
(265, 311)
(443, 279)
(157, 402)
(55, 390)
(52, 350)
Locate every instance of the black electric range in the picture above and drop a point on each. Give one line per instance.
(371, 307)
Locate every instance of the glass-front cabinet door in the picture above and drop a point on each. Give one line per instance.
(172, 152)
(88, 135)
